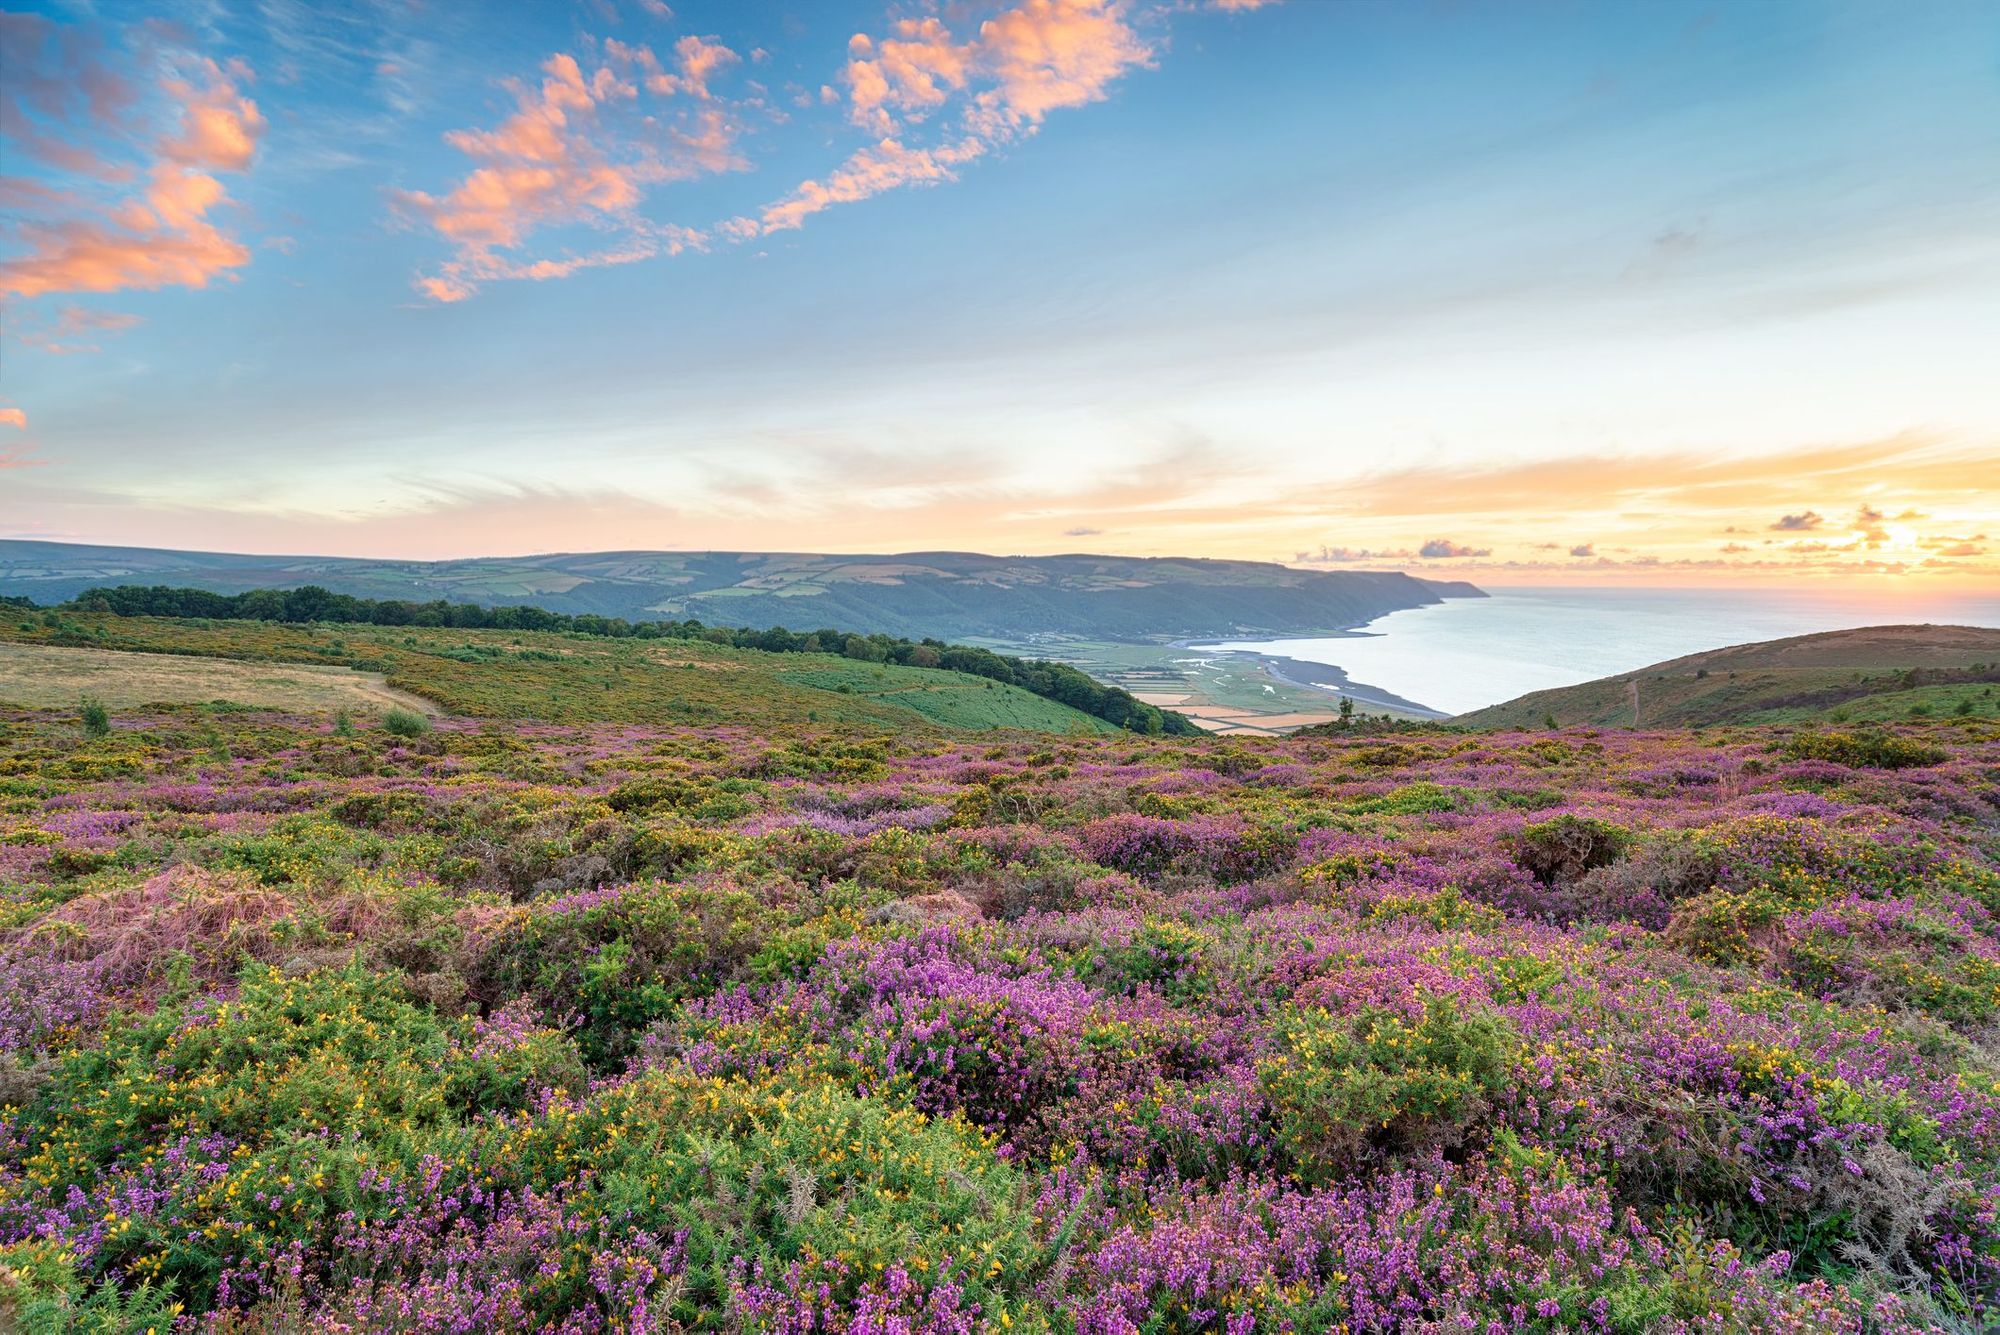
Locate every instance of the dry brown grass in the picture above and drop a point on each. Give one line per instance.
(46, 677)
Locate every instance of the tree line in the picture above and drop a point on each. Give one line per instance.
(311, 603)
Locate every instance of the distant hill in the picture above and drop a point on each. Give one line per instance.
(1876, 673)
(950, 595)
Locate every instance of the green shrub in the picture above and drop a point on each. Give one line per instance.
(1865, 750)
(798, 1169)
(626, 957)
(1567, 846)
(40, 1290)
(405, 723)
(1341, 1087)
(96, 719)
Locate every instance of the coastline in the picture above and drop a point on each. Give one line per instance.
(1331, 679)
(1326, 677)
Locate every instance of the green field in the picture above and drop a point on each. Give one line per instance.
(948, 698)
(557, 678)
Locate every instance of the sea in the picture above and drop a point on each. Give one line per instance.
(1466, 653)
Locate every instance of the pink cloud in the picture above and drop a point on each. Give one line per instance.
(1033, 58)
(162, 239)
(98, 231)
(577, 151)
(911, 72)
(1050, 54)
(219, 126)
(879, 167)
(14, 417)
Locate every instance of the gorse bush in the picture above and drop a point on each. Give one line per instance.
(1344, 1086)
(1874, 750)
(1567, 846)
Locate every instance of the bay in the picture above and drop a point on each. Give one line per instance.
(1466, 653)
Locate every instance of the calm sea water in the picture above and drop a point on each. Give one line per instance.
(1469, 652)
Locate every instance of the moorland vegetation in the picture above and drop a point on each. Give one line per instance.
(771, 1024)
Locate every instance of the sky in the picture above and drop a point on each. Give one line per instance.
(1528, 292)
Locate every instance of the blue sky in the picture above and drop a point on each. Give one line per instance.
(1552, 290)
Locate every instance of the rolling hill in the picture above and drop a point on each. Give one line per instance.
(1877, 673)
(950, 595)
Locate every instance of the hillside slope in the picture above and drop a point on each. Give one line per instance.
(554, 678)
(1873, 673)
(950, 595)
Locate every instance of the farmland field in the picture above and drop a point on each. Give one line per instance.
(523, 1026)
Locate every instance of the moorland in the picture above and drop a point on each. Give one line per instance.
(653, 984)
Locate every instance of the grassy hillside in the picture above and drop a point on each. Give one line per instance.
(1876, 673)
(950, 595)
(560, 678)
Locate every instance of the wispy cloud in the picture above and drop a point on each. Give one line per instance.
(127, 144)
(582, 148)
(998, 83)
(74, 329)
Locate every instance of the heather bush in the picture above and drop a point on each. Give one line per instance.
(522, 1027)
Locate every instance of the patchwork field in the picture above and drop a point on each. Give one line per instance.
(614, 1026)
(50, 676)
(1223, 693)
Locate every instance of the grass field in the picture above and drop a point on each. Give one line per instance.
(556, 678)
(47, 676)
(949, 698)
